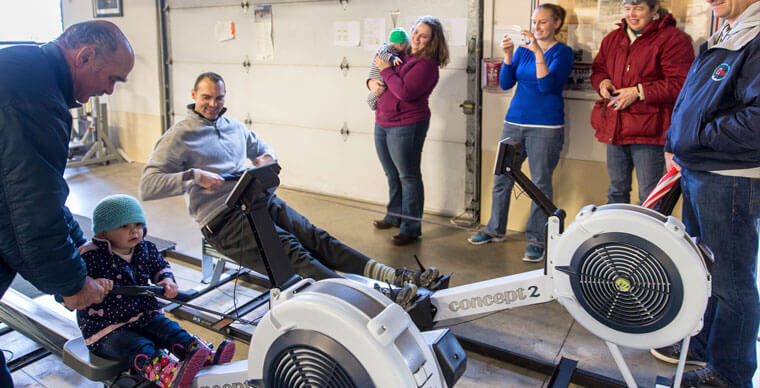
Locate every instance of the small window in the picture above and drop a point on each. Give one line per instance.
(32, 22)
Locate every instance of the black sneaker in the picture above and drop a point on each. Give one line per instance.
(702, 377)
(673, 352)
(404, 297)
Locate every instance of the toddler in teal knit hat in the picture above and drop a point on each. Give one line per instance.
(398, 41)
(133, 328)
(119, 219)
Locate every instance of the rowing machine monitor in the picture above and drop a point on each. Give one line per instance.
(251, 195)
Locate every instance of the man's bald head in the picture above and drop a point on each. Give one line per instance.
(105, 36)
(98, 54)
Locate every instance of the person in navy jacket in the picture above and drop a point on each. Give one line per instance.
(38, 85)
(134, 328)
(714, 139)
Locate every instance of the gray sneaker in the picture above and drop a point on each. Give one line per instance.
(703, 377)
(424, 279)
(404, 297)
(672, 353)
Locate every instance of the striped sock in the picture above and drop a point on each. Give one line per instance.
(381, 272)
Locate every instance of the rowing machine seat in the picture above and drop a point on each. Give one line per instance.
(78, 357)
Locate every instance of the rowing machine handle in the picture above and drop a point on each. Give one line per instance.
(157, 291)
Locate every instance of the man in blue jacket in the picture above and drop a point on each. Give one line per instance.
(38, 86)
(715, 139)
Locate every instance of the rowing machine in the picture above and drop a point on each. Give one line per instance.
(628, 274)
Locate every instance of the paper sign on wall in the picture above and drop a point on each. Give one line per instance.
(374, 34)
(262, 20)
(224, 30)
(346, 33)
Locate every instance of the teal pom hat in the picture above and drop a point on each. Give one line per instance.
(398, 35)
(116, 210)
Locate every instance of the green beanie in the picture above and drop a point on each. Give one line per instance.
(398, 35)
(116, 210)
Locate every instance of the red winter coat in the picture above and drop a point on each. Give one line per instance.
(659, 60)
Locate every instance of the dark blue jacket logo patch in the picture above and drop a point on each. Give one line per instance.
(720, 72)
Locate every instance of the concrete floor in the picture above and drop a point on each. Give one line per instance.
(545, 332)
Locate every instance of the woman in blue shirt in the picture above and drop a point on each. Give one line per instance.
(536, 118)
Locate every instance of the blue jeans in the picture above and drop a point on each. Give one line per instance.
(400, 152)
(125, 344)
(542, 146)
(649, 161)
(724, 211)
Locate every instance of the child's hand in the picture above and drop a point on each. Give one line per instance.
(397, 61)
(107, 284)
(170, 288)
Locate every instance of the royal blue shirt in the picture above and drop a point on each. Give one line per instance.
(537, 101)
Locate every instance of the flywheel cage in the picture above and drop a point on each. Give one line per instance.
(626, 282)
(304, 366)
(309, 359)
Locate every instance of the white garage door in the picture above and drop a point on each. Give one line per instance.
(299, 99)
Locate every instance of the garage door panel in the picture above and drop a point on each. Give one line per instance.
(194, 40)
(323, 162)
(315, 38)
(299, 100)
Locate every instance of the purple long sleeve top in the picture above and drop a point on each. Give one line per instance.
(409, 86)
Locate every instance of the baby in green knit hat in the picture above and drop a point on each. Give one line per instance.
(398, 41)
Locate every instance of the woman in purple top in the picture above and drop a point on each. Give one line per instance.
(402, 119)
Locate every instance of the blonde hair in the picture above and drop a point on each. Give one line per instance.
(558, 13)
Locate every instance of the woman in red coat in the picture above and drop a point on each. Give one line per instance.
(638, 71)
